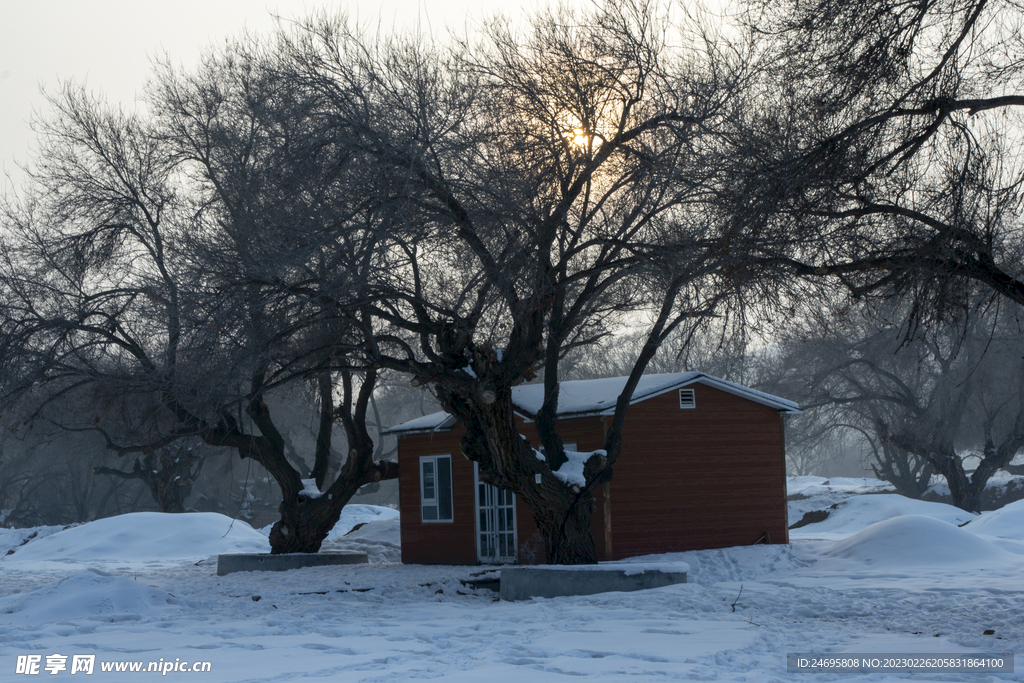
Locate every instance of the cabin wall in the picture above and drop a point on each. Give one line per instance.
(436, 542)
(708, 477)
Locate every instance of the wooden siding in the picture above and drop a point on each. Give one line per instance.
(708, 477)
(436, 542)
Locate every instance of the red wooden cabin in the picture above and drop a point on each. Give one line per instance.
(703, 465)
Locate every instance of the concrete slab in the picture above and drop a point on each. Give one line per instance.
(552, 581)
(265, 562)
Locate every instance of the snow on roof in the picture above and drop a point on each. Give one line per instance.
(434, 422)
(587, 397)
(598, 396)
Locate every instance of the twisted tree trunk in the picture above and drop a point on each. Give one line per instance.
(561, 511)
(306, 521)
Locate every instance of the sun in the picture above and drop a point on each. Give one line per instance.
(578, 135)
(579, 138)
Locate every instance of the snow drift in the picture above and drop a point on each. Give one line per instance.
(858, 513)
(914, 540)
(146, 536)
(1006, 522)
(90, 595)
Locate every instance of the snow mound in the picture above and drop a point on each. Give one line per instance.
(12, 539)
(808, 493)
(143, 536)
(858, 513)
(90, 595)
(1006, 522)
(380, 540)
(740, 563)
(915, 540)
(352, 515)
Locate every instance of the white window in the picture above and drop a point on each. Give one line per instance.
(436, 488)
(687, 399)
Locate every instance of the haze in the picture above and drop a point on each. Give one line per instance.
(110, 45)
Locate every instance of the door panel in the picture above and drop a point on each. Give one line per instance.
(495, 522)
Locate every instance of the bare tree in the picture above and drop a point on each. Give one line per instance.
(284, 210)
(169, 475)
(927, 404)
(46, 478)
(540, 189)
(122, 281)
(91, 276)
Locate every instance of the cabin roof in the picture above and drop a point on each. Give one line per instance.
(593, 397)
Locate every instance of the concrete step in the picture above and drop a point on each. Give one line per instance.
(551, 581)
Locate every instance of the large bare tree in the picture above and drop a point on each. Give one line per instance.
(336, 206)
(542, 187)
(125, 281)
(948, 401)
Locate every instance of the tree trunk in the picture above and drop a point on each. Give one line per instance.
(908, 472)
(561, 511)
(306, 521)
(567, 534)
(967, 491)
(964, 491)
(304, 524)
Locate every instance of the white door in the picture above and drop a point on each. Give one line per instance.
(495, 523)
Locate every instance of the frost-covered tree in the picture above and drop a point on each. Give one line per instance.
(541, 188)
(891, 132)
(125, 281)
(947, 401)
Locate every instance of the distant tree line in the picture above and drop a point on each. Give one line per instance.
(948, 401)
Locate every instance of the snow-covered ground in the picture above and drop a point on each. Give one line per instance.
(817, 493)
(882, 574)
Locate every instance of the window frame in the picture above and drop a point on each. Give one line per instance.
(435, 500)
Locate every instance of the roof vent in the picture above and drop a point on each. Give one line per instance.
(687, 399)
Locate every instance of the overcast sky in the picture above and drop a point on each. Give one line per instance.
(109, 44)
